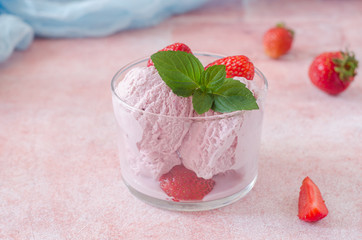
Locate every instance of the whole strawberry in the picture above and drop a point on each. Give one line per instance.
(236, 66)
(181, 183)
(173, 47)
(278, 41)
(333, 72)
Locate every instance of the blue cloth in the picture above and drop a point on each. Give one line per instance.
(84, 18)
(14, 34)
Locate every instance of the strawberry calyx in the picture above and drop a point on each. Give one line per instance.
(346, 65)
(282, 25)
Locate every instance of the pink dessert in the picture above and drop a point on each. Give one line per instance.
(162, 134)
(155, 152)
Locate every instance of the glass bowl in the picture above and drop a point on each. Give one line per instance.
(221, 148)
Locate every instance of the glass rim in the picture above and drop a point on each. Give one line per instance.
(203, 54)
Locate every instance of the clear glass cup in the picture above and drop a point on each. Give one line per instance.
(221, 147)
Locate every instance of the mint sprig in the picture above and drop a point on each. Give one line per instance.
(209, 88)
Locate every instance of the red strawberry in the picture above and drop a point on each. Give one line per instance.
(236, 66)
(181, 183)
(173, 47)
(278, 40)
(311, 204)
(332, 72)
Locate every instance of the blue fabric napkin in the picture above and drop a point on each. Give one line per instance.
(81, 18)
(14, 34)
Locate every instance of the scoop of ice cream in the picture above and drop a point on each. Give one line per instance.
(162, 133)
(209, 146)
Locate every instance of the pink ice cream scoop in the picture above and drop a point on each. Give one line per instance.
(209, 148)
(152, 147)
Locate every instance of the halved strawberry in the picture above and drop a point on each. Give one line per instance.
(173, 47)
(181, 183)
(311, 206)
(236, 66)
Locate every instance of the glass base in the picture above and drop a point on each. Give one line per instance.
(191, 206)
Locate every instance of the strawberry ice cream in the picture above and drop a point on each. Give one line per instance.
(209, 148)
(155, 150)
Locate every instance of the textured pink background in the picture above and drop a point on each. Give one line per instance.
(59, 172)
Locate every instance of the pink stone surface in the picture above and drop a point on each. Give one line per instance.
(59, 169)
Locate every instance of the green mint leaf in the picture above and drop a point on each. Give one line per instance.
(180, 71)
(185, 75)
(202, 101)
(233, 96)
(213, 77)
